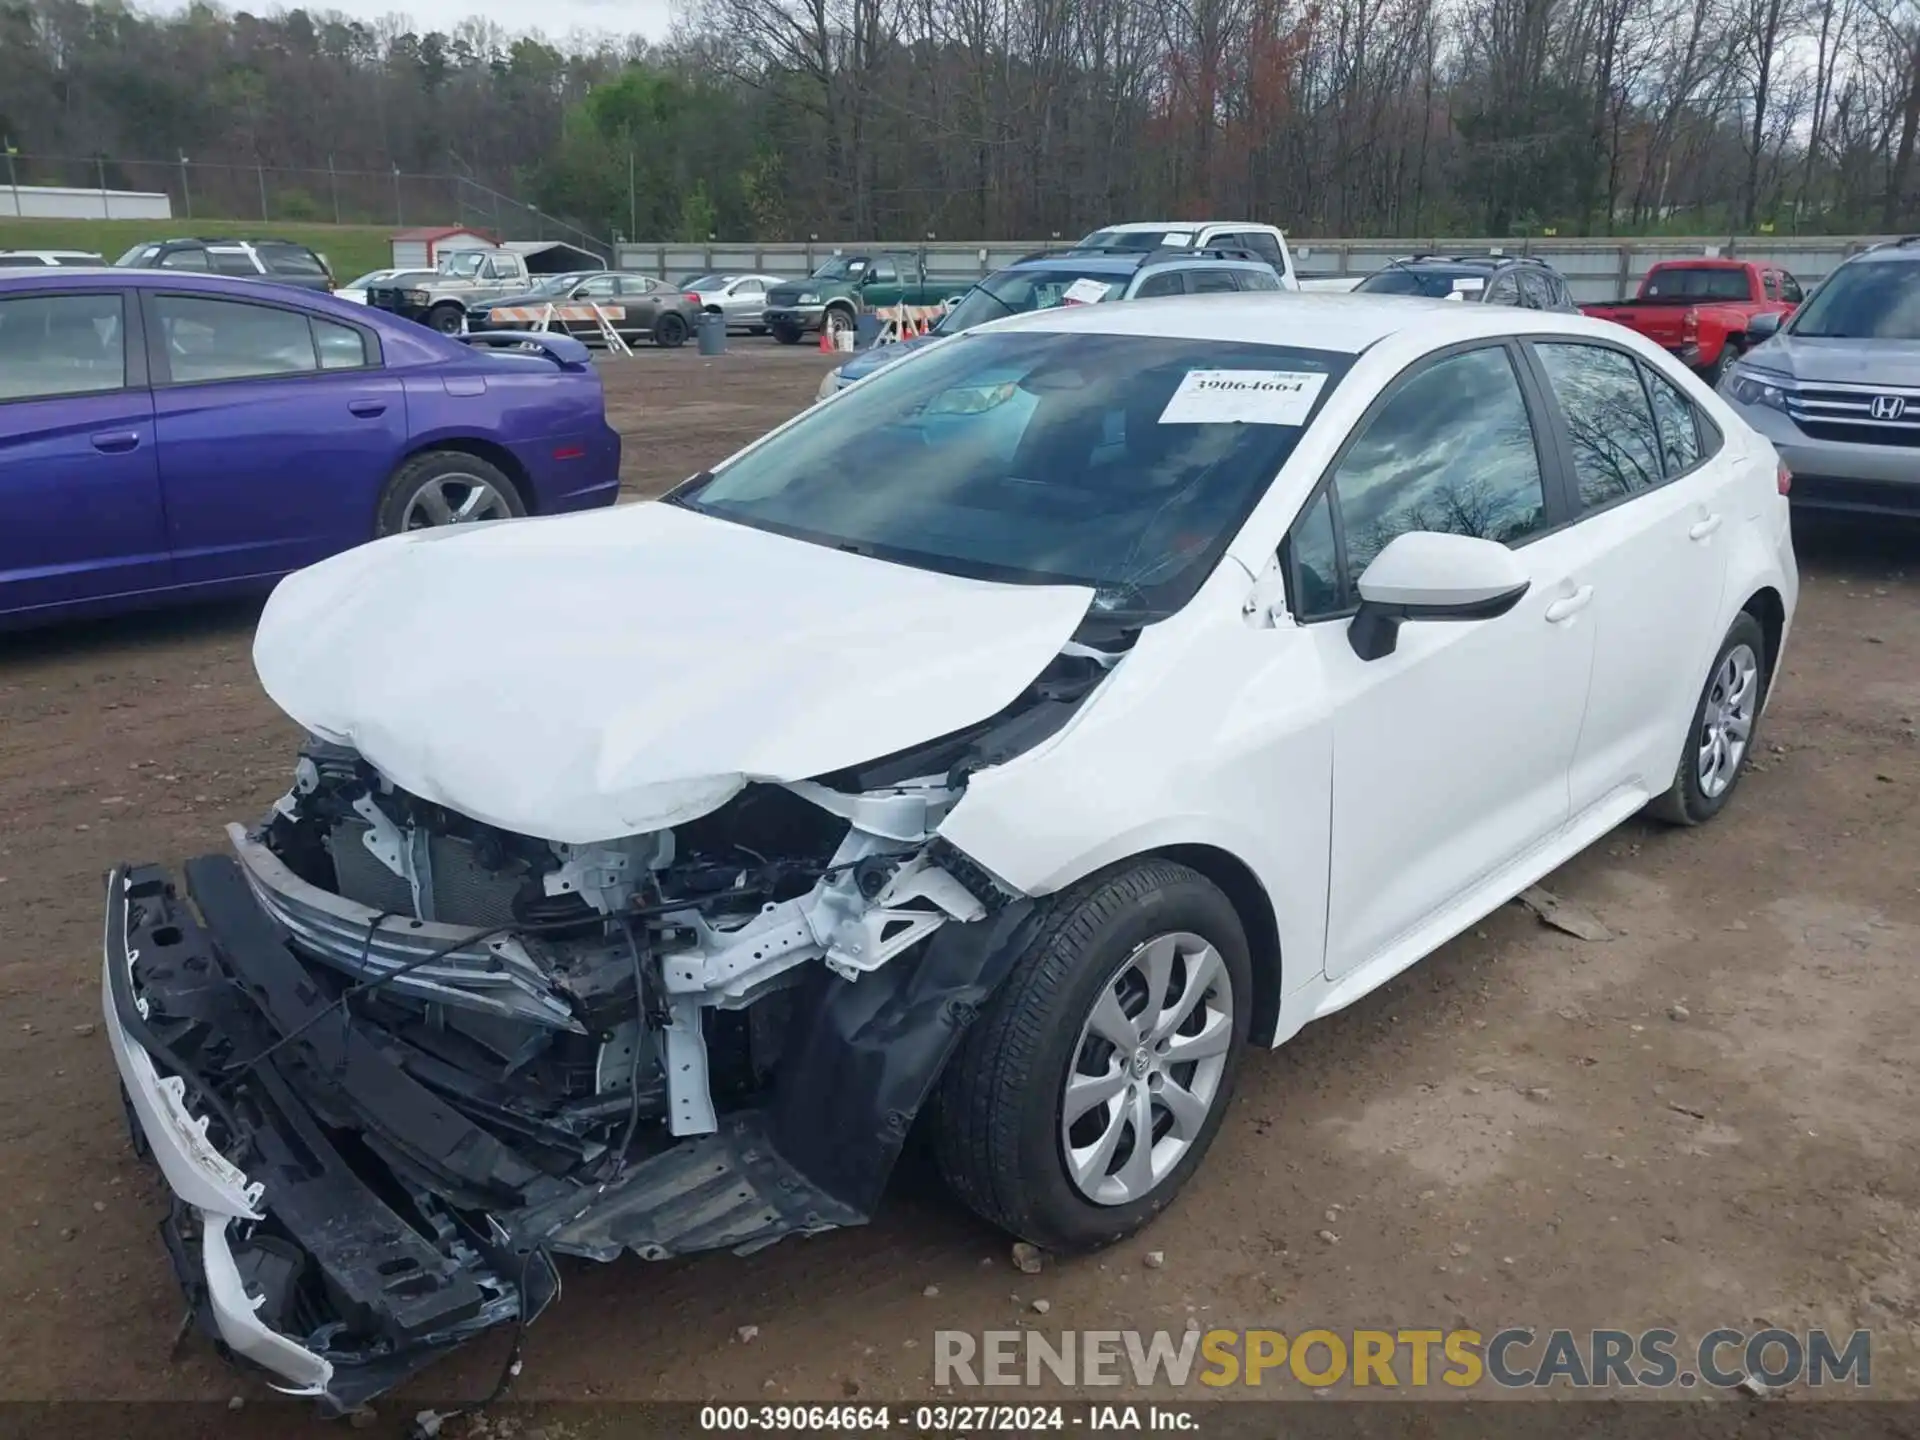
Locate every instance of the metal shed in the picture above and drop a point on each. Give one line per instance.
(421, 247)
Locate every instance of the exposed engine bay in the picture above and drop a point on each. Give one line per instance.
(397, 1059)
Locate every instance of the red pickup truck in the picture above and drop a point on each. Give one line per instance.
(1699, 309)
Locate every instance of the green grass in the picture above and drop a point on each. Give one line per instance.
(351, 250)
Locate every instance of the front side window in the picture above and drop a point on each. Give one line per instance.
(1770, 283)
(600, 287)
(1258, 280)
(1790, 290)
(61, 345)
(885, 272)
(1609, 423)
(1313, 559)
(232, 340)
(750, 287)
(1452, 450)
(1266, 247)
(1121, 462)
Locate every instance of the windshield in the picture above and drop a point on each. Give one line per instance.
(139, 255)
(372, 277)
(1697, 282)
(1014, 292)
(706, 282)
(842, 268)
(1141, 240)
(1122, 462)
(1872, 300)
(1404, 280)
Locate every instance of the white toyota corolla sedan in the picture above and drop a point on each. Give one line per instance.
(1000, 747)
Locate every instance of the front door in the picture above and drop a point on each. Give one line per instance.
(1450, 755)
(80, 511)
(277, 430)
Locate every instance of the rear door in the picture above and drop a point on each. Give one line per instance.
(80, 511)
(1653, 509)
(276, 430)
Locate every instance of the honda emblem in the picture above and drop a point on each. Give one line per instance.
(1889, 407)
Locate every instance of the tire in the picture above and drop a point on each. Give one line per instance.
(446, 319)
(406, 503)
(998, 1119)
(1729, 352)
(670, 331)
(761, 330)
(787, 334)
(1692, 798)
(837, 318)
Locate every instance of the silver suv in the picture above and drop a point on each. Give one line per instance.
(1836, 387)
(1075, 277)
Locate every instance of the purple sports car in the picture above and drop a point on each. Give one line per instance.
(169, 437)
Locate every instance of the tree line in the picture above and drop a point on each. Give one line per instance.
(896, 119)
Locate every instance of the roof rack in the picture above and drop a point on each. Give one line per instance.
(1205, 252)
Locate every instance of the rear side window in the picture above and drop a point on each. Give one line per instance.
(21, 261)
(61, 345)
(1610, 426)
(1257, 280)
(1675, 423)
(1505, 290)
(291, 260)
(232, 262)
(338, 347)
(1212, 282)
(232, 340)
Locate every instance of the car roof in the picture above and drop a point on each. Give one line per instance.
(1345, 323)
(1135, 227)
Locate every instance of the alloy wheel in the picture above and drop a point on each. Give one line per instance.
(1726, 721)
(454, 500)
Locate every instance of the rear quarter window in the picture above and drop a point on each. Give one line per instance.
(288, 260)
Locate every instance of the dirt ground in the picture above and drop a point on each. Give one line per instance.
(1708, 1120)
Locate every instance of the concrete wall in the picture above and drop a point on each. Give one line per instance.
(60, 202)
(1596, 269)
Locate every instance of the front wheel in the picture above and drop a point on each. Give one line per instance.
(446, 487)
(787, 334)
(446, 319)
(837, 320)
(1722, 735)
(1087, 1093)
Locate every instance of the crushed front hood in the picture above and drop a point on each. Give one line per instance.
(598, 675)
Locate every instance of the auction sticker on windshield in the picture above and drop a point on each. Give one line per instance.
(1085, 292)
(1243, 397)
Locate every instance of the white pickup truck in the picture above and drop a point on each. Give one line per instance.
(463, 276)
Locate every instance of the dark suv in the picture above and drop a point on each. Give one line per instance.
(1523, 280)
(281, 261)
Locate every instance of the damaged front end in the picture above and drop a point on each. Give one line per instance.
(393, 1060)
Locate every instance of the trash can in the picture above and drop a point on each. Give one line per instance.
(713, 334)
(866, 330)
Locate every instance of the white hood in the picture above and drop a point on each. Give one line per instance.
(603, 674)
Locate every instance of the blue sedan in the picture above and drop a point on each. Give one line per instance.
(169, 437)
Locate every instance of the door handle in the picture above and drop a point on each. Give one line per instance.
(1571, 606)
(116, 442)
(367, 408)
(1705, 528)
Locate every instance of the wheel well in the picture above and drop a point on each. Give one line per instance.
(1249, 900)
(844, 306)
(1766, 606)
(496, 455)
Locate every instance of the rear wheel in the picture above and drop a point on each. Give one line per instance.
(1088, 1092)
(670, 331)
(1729, 352)
(1722, 735)
(446, 487)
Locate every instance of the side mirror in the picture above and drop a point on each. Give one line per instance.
(1764, 326)
(1424, 575)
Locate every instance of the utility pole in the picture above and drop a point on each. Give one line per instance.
(333, 187)
(186, 190)
(100, 169)
(13, 179)
(260, 173)
(398, 220)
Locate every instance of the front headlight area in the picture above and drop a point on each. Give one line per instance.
(1748, 385)
(829, 384)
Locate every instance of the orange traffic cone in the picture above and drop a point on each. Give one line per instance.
(826, 339)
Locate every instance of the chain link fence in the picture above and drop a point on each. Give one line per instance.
(104, 188)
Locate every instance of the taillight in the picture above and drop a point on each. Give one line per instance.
(1783, 477)
(692, 298)
(1690, 325)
